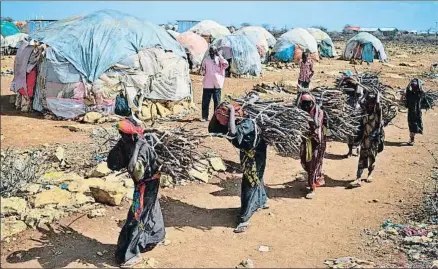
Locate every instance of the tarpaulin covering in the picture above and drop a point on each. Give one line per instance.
(173, 33)
(324, 40)
(8, 28)
(300, 37)
(245, 57)
(195, 44)
(94, 43)
(270, 39)
(360, 40)
(13, 41)
(284, 50)
(256, 38)
(210, 28)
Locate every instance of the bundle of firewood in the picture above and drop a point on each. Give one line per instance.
(282, 125)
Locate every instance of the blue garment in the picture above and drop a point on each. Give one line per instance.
(368, 53)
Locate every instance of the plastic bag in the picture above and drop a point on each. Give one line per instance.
(66, 108)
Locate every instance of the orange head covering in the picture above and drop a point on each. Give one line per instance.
(222, 112)
(130, 127)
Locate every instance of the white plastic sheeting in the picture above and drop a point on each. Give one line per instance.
(300, 37)
(363, 38)
(13, 41)
(173, 33)
(210, 28)
(270, 39)
(321, 36)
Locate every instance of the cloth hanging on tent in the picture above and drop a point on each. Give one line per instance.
(368, 53)
(20, 67)
(30, 84)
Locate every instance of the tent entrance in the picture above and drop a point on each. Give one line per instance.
(368, 52)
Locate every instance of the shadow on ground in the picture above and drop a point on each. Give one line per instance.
(63, 246)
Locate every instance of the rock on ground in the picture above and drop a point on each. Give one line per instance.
(202, 176)
(39, 216)
(101, 170)
(109, 193)
(54, 196)
(217, 164)
(98, 212)
(11, 226)
(92, 117)
(59, 154)
(13, 206)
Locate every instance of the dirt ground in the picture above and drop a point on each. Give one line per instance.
(199, 218)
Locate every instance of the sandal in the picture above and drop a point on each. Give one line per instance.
(354, 184)
(310, 195)
(131, 262)
(242, 227)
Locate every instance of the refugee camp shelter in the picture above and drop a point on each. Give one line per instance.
(12, 41)
(8, 28)
(326, 48)
(290, 45)
(196, 47)
(210, 30)
(34, 25)
(85, 68)
(389, 31)
(173, 33)
(260, 37)
(366, 47)
(241, 54)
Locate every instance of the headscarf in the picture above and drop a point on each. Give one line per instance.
(222, 112)
(419, 83)
(129, 126)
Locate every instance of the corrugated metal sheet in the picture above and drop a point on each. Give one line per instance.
(387, 29)
(184, 26)
(368, 29)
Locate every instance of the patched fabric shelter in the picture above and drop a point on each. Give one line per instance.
(366, 47)
(241, 53)
(290, 45)
(77, 65)
(326, 48)
(195, 45)
(210, 29)
(8, 28)
(259, 36)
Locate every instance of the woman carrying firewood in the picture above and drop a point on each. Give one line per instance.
(314, 146)
(414, 95)
(144, 227)
(245, 135)
(371, 136)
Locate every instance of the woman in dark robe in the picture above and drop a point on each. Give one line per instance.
(414, 95)
(314, 146)
(245, 135)
(144, 227)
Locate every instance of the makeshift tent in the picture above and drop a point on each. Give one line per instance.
(364, 46)
(86, 62)
(196, 46)
(260, 37)
(270, 39)
(13, 41)
(325, 43)
(8, 28)
(295, 40)
(173, 33)
(245, 59)
(209, 28)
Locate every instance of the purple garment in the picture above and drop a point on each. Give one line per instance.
(20, 67)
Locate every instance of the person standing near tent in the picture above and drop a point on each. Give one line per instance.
(414, 95)
(371, 136)
(306, 70)
(314, 146)
(144, 227)
(213, 70)
(245, 135)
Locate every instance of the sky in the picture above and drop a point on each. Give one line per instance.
(334, 15)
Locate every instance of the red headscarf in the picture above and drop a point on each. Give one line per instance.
(222, 112)
(128, 127)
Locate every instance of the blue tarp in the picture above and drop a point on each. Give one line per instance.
(94, 43)
(284, 50)
(8, 28)
(368, 53)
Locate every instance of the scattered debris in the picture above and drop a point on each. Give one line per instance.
(248, 263)
(98, 212)
(264, 249)
(349, 262)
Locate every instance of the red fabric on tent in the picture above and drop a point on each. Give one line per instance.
(30, 84)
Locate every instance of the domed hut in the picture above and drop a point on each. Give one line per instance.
(366, 47)
(290, 45)
(326, 48)
(260, 37)
(196, 47)
(241, 54)
(8, 28)
(210, 30)
(77, 65)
